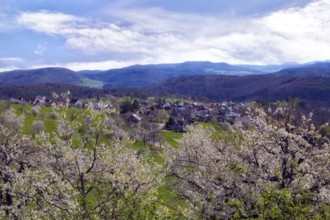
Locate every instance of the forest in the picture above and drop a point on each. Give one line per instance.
(65, 162)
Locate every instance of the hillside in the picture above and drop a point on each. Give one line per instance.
(143, 76)
(315, 69)
(36, 76)
(268, 87)
(146, 75)
(271, 68)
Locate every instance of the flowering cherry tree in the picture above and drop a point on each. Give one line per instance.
(274, 169)
(66, 175)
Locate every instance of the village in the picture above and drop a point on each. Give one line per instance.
(171, 115)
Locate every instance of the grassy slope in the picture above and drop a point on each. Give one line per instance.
(91, 83)
(172, 138)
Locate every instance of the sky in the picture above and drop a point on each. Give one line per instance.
(107, 34)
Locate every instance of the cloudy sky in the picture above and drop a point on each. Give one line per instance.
(105, 34)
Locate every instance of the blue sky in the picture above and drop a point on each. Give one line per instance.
(105, 34)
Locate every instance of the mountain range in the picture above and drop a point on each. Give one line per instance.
(146, 75)
(142, 76)
(216, 81)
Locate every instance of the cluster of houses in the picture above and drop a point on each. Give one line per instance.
(43, 100)
(183, 114)
(180, 113)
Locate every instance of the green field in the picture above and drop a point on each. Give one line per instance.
(91, 83)
(172, 138)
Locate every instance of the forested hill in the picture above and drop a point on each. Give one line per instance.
(36, 76)
(143, 76)
(146, 75)
(316, 69)
(310, 82)
(268, 87)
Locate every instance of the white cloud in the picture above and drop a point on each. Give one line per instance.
(11, 63)
(40, 49)
(100, 65)
(47, 22)
(8, 68)
(11, 59)
(103, 65)
(158, 36)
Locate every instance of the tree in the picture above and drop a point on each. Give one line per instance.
(126, 106)
(135, 104)
(273, 170)
(102, 182)
(18, 156)
(70, 176)
(35, 110)
(149, 133)
(98, 180)
(53, 115)
(38, 126)
(11, 120)
(161, 116)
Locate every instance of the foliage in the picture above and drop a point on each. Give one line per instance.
(35, 110)
(80, 92)
(264, 88)
(88, 164)
(274, 170)
(51, 177)
(38, 126)
(11, 120)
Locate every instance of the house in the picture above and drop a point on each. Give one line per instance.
(50, 102)
(186, 114)
(78, 104)
(223, 110)
(204, 117)
(198, 106)
(97, 106)
(73, 101)
(151, 114)
(107, 106)
(167, 106)
(39, 100)
(231, 116)
(181, 104)
(175, 124)
(144, 110)
(132, 118)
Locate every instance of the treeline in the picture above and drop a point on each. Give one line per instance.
(31, 91)
(269, 87)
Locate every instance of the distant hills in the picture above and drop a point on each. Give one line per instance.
(268, 87)
(146, 75)
(216, 81)
(143, 76)
(37, 76)
(316, 69)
